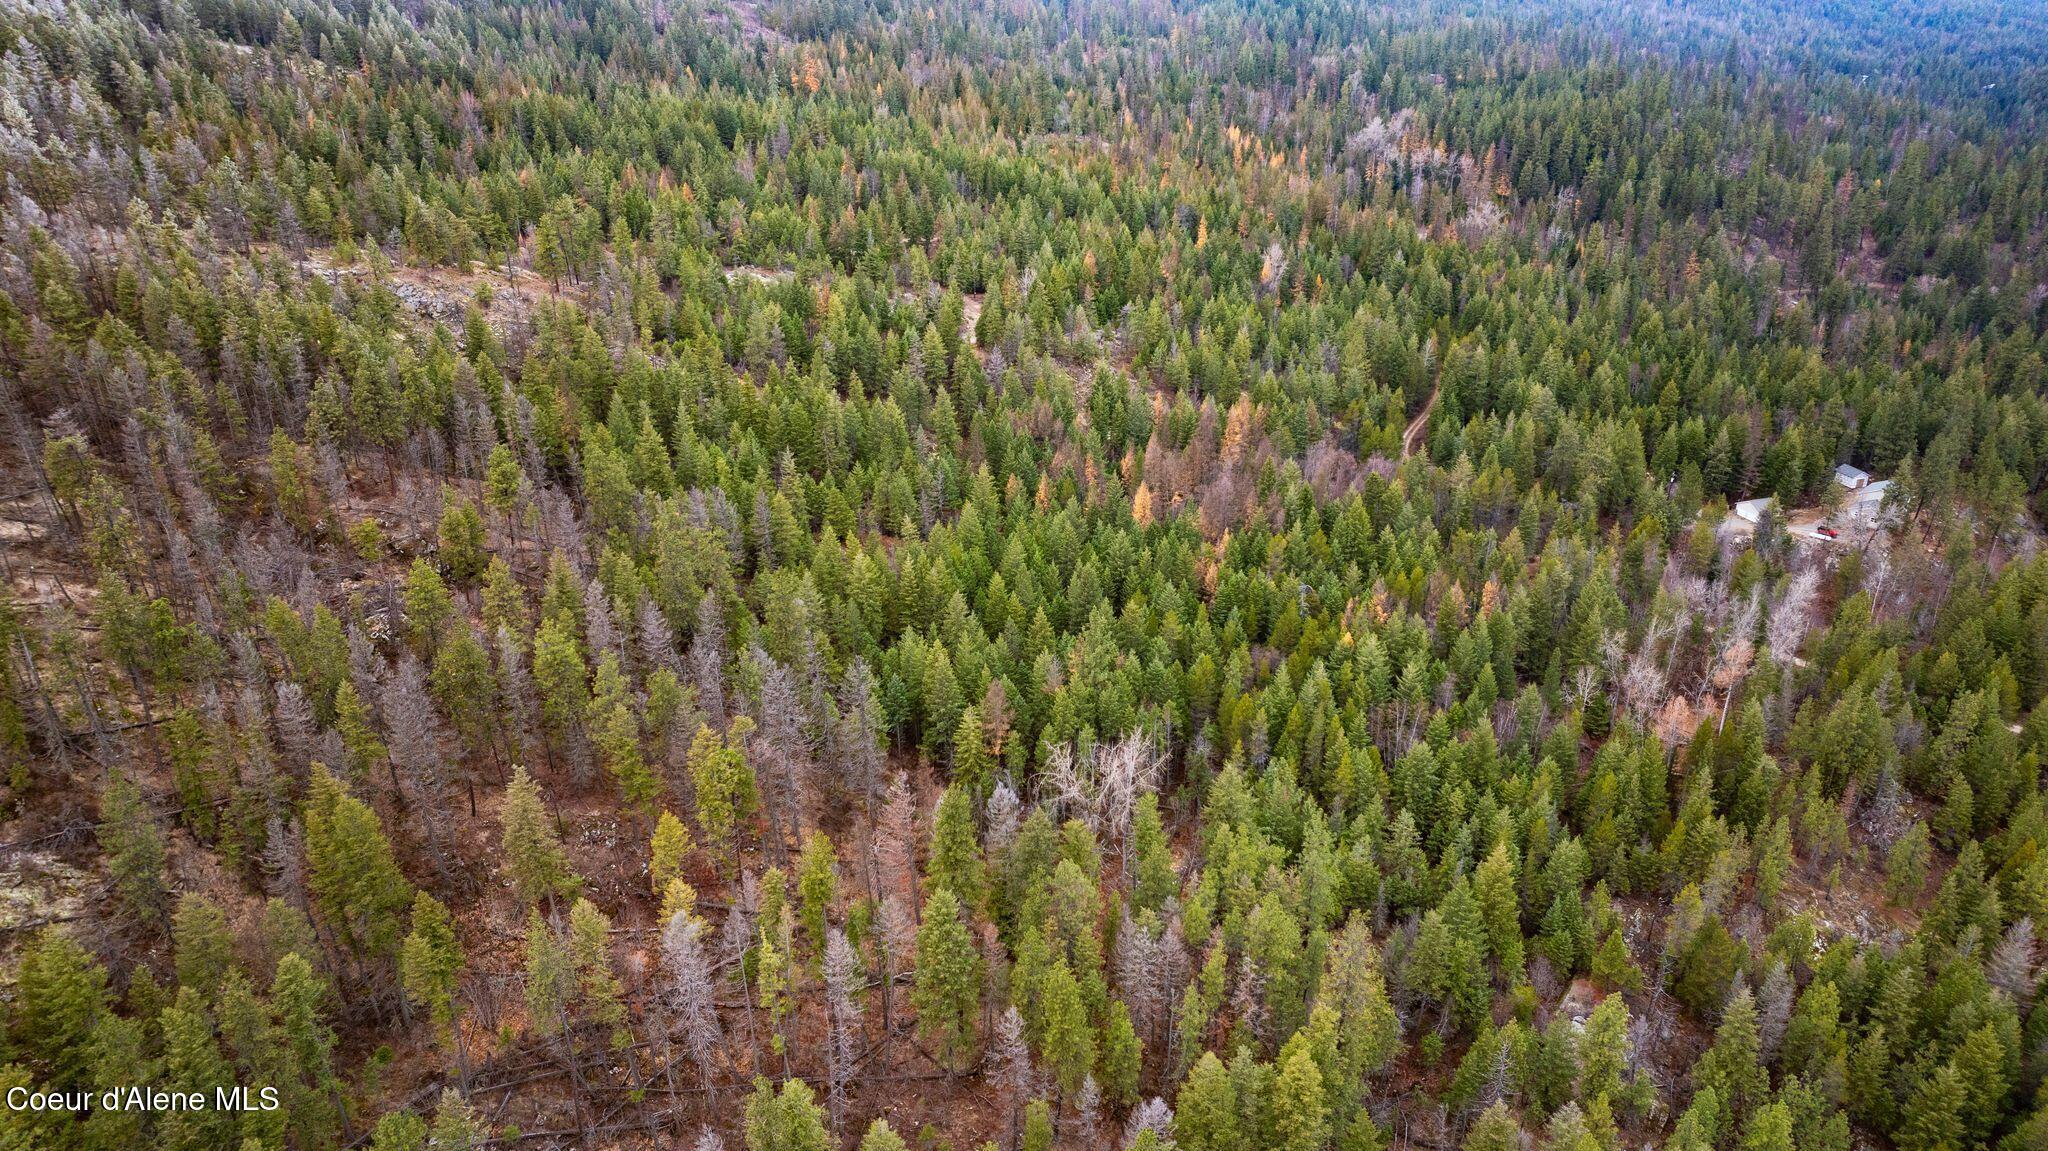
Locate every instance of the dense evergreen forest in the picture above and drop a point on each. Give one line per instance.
(1116, 575)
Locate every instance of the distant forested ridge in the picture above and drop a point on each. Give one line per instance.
(1213, 575)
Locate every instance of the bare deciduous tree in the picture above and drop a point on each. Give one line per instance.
(657, 643)
(1087, 1112)
(1103, 790)
(1792, 615)
(1138, 960)
(516, 688)
(600, 627)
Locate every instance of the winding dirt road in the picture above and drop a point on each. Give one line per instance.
(1411, 438)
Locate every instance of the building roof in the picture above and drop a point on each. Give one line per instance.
(1752, 510)
(1850, 476)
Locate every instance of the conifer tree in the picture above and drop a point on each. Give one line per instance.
(460, 538)
(1445, 964)
(1205, 1112)
(355, 880)
(60, 998)
(1604, 1049)
(1300, 1110)
(358, 733)
(550, 980)
(1905, 865)
(1732, 1067)
(1122, 1057)
(399, 1131)
(725, 791)
(466, 689)
(1495, 1130)
(1368, 1029)
(881, 1137)
(1069, 1038)
(456, 1126)
(430, 965)
(1154, 879)
(1984, 1069)
(773, 989)
(564, 682)
(817, 885)
(129, 834)
(616, 731)
(1500, 907)
(973, 773)
(955, 862)
(1273, 950)
(533, 854)
(306, 1044)
(201, 945)
(947, 991)
(1769, 1129)
(602, 998)
(1038, 1127)
(785, 1120)
(668, 852)
(428, 606)
(192, 1061)
(1612, 965)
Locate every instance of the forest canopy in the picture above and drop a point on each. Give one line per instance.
(1200, 574)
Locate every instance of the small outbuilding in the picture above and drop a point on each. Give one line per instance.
(1751, 511)
(1851, 477)
(1863, 505)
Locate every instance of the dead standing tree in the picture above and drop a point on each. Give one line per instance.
(1102, 790)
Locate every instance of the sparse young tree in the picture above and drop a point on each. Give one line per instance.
(430, 966)
(534, 860)
(134, 843)
(725, 790)
(668, 852)
(785, 1120)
